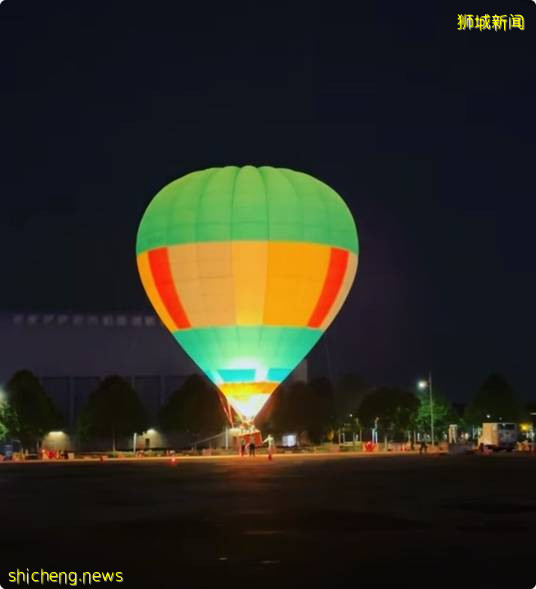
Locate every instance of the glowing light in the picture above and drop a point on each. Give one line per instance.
(422, 384)
(290, 440)
(56, 434)
(151, 431)
(248, 405)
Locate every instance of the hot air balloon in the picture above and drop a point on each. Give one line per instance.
(247, 267)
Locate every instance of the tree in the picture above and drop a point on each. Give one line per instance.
(394, 408)
(113, 409)
(301, 406)
(349, 393)
(195, 407)
(8, 420)
(34, 410)
(495, 400)
(320, 412)
(444, 415)
(3, 424)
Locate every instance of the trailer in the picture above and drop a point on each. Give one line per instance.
(498, 436)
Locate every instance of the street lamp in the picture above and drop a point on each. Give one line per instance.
(427, 384)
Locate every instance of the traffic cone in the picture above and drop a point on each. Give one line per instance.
(269, 456)
(173, 461)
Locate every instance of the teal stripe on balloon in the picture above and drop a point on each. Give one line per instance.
(278, 374)
(234, 375)
(224, 353)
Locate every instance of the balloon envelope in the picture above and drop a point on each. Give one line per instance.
(247, 267)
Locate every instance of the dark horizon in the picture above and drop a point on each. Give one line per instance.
(426, 132)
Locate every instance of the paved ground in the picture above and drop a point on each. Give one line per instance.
(329, 521)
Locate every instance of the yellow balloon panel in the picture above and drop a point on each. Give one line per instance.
(248, 398)
(250, 260)
(249, 283)
(203, 277)
(295, 277)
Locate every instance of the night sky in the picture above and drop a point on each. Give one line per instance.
(426, 131)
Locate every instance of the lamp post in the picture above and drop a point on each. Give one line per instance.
(423, 384)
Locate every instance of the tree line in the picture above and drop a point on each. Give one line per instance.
(354, 407)
(318, 408)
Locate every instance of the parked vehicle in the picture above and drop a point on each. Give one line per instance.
(498, 436)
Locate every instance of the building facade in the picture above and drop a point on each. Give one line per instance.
(72, 352)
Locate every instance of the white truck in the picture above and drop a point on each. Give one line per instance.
(498, 436)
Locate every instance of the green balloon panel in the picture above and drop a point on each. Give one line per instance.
(247, 203)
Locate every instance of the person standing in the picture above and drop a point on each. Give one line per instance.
(252, 448)
(242, 446)
(423, 449)
(271, 443)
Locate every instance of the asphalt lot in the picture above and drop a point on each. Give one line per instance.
(330, 521)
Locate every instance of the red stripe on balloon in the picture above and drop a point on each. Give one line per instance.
(163, 279)
(338, 260)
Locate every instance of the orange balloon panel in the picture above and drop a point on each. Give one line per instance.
(248, 283)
